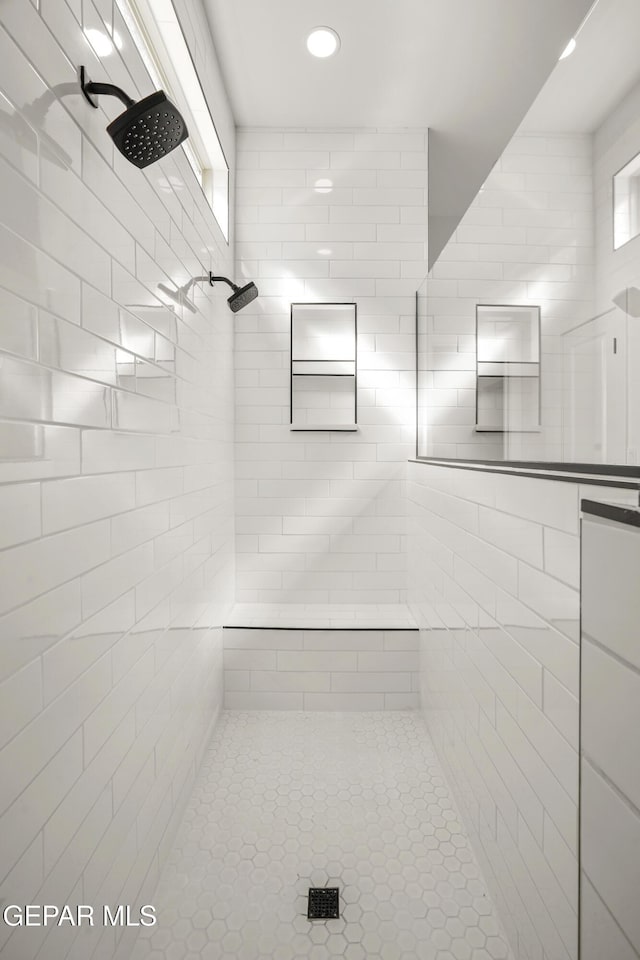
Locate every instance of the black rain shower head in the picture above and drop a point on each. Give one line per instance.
(241, 296)
(147, 130)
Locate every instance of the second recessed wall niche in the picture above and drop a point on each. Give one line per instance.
(507, 369)
(324, 367)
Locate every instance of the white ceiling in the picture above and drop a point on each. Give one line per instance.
(605, 64)
(467, 69)
(401, 63)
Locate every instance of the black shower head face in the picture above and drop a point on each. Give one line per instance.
(242, 296)
(148, 130)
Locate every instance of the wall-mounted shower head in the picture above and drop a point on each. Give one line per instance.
(241, 296)
(147, 130)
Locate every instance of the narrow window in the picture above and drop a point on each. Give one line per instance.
(156, 32)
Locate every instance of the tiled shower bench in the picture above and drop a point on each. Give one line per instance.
(330, 657)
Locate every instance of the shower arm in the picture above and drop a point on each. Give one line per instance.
(92, 88)
(212, 280)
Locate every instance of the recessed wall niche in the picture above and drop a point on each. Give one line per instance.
(507, 369)
(323, 393)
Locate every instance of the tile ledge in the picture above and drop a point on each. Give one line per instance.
(320, 617)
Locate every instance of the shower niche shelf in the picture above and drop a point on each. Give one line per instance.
(324, 367)
(507, 369)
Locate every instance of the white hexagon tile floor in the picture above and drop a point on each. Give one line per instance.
(289, 800)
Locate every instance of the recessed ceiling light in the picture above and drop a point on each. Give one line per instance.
(568, 50)
(323, 42)
(323, 186)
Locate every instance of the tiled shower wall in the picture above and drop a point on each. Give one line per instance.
(320, 669)
(327, 216)
(116, 447)
(494, 585)
(526, 239)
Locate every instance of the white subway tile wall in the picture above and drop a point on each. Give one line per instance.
(335, 215)
(116, 479)
(493, 584)
(526, 239)
(320, 669)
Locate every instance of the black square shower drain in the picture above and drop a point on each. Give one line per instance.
(323, 903)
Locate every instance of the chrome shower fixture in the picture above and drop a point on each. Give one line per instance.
(147, 130)
(241, 296)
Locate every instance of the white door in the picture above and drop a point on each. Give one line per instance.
(594, 422)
